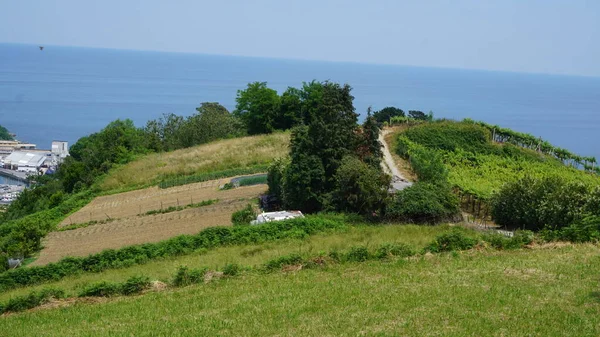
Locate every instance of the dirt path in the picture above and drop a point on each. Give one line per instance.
(399, 182)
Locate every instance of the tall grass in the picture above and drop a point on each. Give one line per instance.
(217, 156)
(253, 254)
(542, 292)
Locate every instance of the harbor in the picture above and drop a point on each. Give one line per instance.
(8, 193)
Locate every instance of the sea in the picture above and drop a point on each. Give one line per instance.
(64, 93)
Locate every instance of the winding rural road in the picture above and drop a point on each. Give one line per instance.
(399, 182)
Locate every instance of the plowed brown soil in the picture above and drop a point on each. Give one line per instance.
(129, 228)
(132, 203)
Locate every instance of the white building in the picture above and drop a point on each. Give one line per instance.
(60, 148)
(24, 161)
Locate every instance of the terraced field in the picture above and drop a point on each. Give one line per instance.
(132, 203)
(130, 226)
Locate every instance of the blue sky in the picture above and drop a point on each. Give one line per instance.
(545, 36)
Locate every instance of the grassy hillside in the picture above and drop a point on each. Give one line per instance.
(546, 291)
(213, 157)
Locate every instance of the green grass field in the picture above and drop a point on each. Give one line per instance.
(216, 156)
(545, 291)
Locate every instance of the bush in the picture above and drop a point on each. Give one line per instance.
(359, 187)
(519, 240)
(424, 203)
(209, 238)
(394, 250)
(185, 277)
(244, 216)
(135, 285)
(357, 254)
(231, 269)
(534, 203)
(32, 300)
(586, 229)
(456, 240)
(101, 289)
(278, 263)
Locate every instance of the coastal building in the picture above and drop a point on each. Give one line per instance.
(9, 146)
(24, 161)
(60, 148)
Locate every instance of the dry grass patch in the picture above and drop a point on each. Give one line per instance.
(216, 156)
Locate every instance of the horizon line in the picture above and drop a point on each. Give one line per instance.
(310, 60)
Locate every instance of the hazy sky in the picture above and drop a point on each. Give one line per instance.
(547, 36)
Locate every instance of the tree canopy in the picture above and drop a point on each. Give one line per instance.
(4, 134)
(385, 114)
(257, 106)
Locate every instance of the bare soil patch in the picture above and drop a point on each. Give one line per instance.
(129, 228)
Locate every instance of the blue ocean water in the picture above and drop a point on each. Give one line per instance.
(63, 93)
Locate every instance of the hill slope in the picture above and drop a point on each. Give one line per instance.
(213, 157)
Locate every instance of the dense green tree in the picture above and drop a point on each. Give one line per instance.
(257, 106)
(212, 122)
(420, 115)
(290, 110)
(386, 114)
(4, 134)
(304, 181)
(164, 133)
(317, 149)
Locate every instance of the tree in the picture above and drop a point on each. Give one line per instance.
(359, 187)
(304, 182)
(369, 149)
(4, 134)
(385, 114)
(416, 114)
(257, 107)
(290, 110)
(317, 149)
(212, 122)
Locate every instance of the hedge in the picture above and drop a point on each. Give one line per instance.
(180, 245)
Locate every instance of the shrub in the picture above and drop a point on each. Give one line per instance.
(357, 254)
(585, 229)
(394, 250)
(520, 239)
(456, 240)
(231, 269)
(243, 216)
(31, 300)
(185, 277)
(534, 203)
(282, 261)
(101, 289)
(206, 239)
(135, 285)
(359, 187)
(424, 203)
